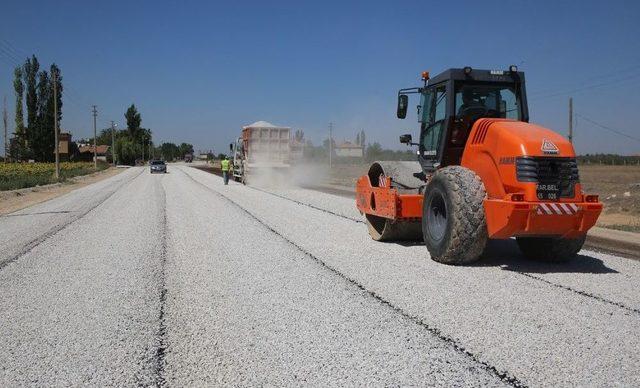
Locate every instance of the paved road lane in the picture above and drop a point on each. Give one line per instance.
(538, 332)
(82, 306)
(24, 229)
(179, 280)
(603, 276)
(245, 307)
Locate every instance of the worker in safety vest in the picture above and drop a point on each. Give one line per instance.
(226, 169)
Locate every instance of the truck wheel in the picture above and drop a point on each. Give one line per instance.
(550, 249)
(453, 220)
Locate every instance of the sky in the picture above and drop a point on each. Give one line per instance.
(199, 71)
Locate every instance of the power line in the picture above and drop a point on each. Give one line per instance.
(73, 101)
(584, 88)
(9, 64)
(72, 93)
(10, 51)
(8, 59)
(9, 55)
(14, 49)
(607, 128)
(598, 77)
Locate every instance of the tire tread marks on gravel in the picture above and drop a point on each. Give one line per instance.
(159, 359)
(306, 204)
(582, 293)
(28, 247)
(532, 277)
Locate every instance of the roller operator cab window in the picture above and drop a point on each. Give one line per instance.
(477, 101)
(433, 115)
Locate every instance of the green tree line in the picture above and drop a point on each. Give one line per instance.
(171, 152)
(34, 88)
(34, 138)
(135, 143)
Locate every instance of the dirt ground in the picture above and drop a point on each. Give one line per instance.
(618, 187)
(346, 175)
(619, 190)
(13, 200)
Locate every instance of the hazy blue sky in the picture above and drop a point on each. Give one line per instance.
(198, 71)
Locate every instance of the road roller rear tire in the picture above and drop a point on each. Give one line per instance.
(549, 249)
(453, 220)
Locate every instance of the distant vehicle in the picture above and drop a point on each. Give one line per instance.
(188, 158)
(262, 148)
(158, 166)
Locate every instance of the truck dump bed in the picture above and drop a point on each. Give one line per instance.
(266, 145)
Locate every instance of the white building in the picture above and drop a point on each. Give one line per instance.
(349, 149)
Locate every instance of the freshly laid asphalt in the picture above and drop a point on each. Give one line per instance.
(175, 279)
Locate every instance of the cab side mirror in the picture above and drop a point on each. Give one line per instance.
(406, 139)
(231, 147)
(403, 103)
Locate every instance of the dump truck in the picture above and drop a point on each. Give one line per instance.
(261, 153)
(188, 158)
(482, 172)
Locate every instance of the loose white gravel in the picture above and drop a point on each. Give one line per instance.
(177, 279)
(81, 308)
(610, 277)
(21, 229)
(504, 312)
(260, 312)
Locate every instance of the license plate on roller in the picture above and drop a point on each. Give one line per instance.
(547, 191)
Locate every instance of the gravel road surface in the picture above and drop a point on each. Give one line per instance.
(178, 280)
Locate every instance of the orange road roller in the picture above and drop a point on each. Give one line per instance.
(482, 172)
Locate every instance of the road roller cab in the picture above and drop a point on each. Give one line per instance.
(482, 172)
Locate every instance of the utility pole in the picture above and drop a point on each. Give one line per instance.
(4, 120)
(330, 143)
(570, 119)
(113, 144)
(95, 152)
(55, 123)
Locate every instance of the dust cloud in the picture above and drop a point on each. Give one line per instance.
(299, 175)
